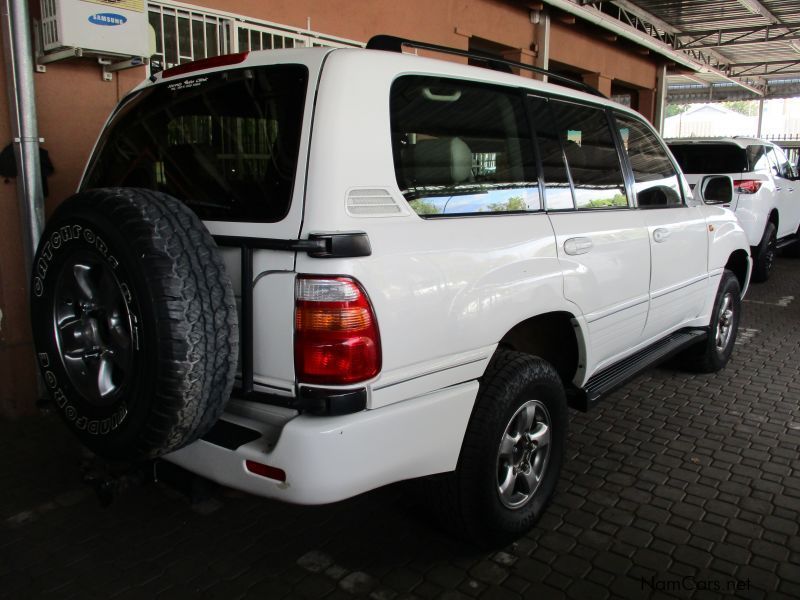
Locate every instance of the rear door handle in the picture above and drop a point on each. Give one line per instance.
(578, 245)
(661, 234)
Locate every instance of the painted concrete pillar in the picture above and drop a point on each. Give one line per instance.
(598, 81)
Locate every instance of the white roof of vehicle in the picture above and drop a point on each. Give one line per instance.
(742, 142)
(401, 63)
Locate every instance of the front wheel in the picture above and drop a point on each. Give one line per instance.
(714, 353)
(512, 453)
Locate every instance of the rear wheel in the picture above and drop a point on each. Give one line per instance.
(764, 254)
(512, 453)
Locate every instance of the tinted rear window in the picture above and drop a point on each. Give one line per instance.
(226, 144)
(710, 158)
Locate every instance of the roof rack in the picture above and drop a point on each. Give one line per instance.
(392, 43)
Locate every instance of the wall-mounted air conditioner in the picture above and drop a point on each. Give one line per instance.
(106, 27)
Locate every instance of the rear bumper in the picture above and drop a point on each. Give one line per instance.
(327, 459)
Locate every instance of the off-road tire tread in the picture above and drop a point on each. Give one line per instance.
(449, 494)
(197, 325)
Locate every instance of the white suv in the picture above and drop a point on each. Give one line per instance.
(767, 200)
(309, 273)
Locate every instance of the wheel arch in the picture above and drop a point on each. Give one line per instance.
(773, 217)
(739, 264)
(555, 337)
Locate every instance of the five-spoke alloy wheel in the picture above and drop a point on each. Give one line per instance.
(523, 455)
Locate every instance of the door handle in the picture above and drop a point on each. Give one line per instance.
(661, 234)
(577, 245)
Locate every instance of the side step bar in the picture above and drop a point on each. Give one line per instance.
(787, 241)
(608, 380)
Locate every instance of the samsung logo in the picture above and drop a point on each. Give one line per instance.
(109, 19)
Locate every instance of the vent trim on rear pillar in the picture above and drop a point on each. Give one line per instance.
(373, 202)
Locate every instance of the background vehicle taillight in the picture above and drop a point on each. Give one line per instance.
(336, 339)
(747, 186)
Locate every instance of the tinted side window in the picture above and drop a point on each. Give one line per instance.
(784, 166)
(461, 147)
(225, 143)
(656, 181)
(757, 158)
(558, 194)
(591, 155)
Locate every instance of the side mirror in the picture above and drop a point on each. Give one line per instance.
(716, 189)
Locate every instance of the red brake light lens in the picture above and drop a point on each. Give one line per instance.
(336, 339)
(747, 186)
(206, 63)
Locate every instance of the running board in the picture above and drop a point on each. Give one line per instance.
(787, 241)
(613, 377)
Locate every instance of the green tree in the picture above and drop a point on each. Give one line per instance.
(513, 203)
(676, 109)
(424, 208)
(748, 108)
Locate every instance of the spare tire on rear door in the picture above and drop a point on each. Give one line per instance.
(134, 322)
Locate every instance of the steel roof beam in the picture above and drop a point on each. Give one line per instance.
(757, 8)
(646, 34)
(739, 41)
(741, 29)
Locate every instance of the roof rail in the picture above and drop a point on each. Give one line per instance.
(392, 43)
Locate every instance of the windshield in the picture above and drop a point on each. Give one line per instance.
(710, 158)
(224, 143)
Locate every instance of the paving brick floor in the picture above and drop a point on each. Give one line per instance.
(677, 486)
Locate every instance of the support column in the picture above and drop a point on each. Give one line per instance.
(526, 57)
(760, 116)
(660, 108)
(599, 82)
(542, 40)
(647, 100)
(22, 112)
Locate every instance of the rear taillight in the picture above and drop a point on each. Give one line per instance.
(336, 339)
(747, 186)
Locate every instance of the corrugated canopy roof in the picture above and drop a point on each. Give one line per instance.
(721, 49)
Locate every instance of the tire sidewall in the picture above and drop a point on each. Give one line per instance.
(110, 430)
(534, 383)
(728, 285)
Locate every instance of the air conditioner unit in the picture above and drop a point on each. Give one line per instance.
(103, 27)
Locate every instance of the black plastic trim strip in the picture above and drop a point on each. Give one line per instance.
(613, 377)
(316, 401)
(318, 245)
(392, 43)
(230, 435)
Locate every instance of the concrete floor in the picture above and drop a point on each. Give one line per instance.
(678, 485)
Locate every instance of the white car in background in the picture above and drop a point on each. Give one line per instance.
(767, 199)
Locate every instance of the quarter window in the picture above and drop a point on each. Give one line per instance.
(462, 148)
(558, 194)
(655, 179)
(591, 155)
